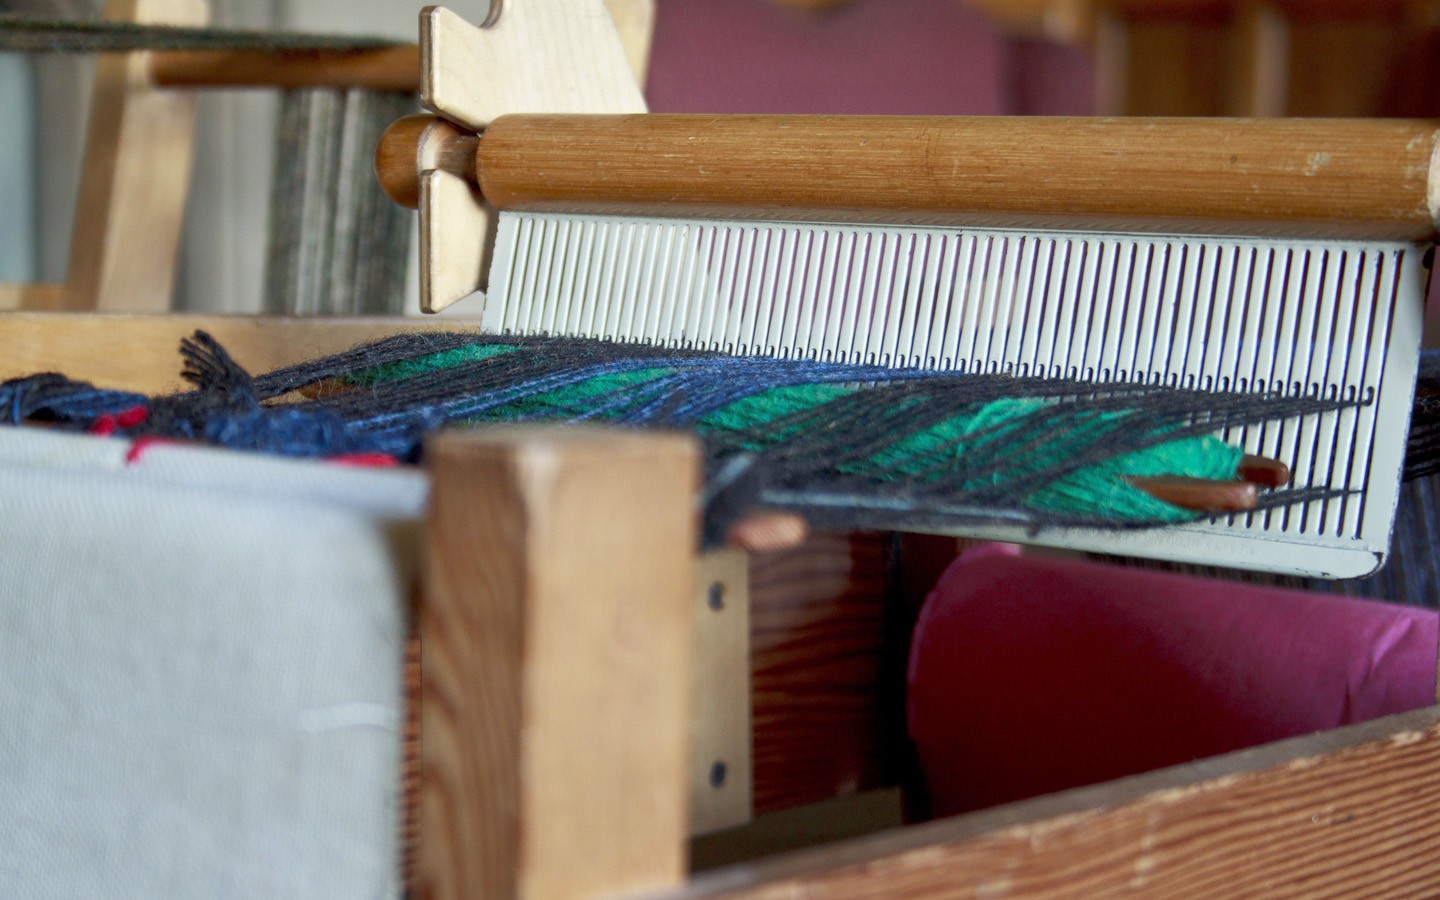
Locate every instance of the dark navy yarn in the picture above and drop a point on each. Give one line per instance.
(818, 460)
(52, 397)
(1422, 456)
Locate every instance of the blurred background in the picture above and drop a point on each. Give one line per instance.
(981, 57)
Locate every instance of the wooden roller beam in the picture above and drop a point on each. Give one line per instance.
(1298, 177)
(1371, 178)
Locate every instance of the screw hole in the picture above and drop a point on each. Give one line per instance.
(718, 771)
(715, 599)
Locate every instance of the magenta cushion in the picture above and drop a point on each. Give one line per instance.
(1031, 675)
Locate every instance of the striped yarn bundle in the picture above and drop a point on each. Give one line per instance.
(844, 445)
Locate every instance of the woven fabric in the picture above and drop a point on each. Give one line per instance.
(846, 446)
(200, 671)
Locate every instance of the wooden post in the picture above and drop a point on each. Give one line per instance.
(1259, 74)
(134, 177)
(1112, 65)
(556, 635)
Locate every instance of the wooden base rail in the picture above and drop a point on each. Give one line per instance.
(1353, 812)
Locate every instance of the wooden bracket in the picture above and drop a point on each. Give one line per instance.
(721, 779)
(531, 56)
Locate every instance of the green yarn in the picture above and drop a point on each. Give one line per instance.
(421, 365)
(755, 413)
(624, 389)
(1097, 488)
(993, 431)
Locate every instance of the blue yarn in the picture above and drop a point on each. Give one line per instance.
(829, 445)
(22, 398)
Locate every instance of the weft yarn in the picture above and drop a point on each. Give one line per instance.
(845, 445)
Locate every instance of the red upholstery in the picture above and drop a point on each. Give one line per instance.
(1030, 675)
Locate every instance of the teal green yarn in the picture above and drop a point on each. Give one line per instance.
(622, 391)
(423, 365)
(935, 452)
(1103, 487)
(1005, 447)
(757, 415)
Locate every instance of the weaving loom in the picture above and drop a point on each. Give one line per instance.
(1319, 292)
(561, 770)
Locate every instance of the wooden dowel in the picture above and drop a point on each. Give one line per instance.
(1263, 470)
(413, 144)
(380, 69)
(1199, 494)
(1354, 178)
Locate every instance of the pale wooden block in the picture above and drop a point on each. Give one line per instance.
(635, 22)
(721, 776)
(457, 238)
(134, 177)
(538, 56)
(583, 56)
(556, 634)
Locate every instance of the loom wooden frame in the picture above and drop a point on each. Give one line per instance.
(1349, 811)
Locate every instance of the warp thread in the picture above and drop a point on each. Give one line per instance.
(846, 445)
(1422, 451)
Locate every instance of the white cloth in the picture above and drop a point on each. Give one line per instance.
(200, 685)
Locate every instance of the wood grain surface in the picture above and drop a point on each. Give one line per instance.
(394, 68)
(825, 702)
(142, 352)
(1320, 177)
(1349, 813)
(556, 634)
